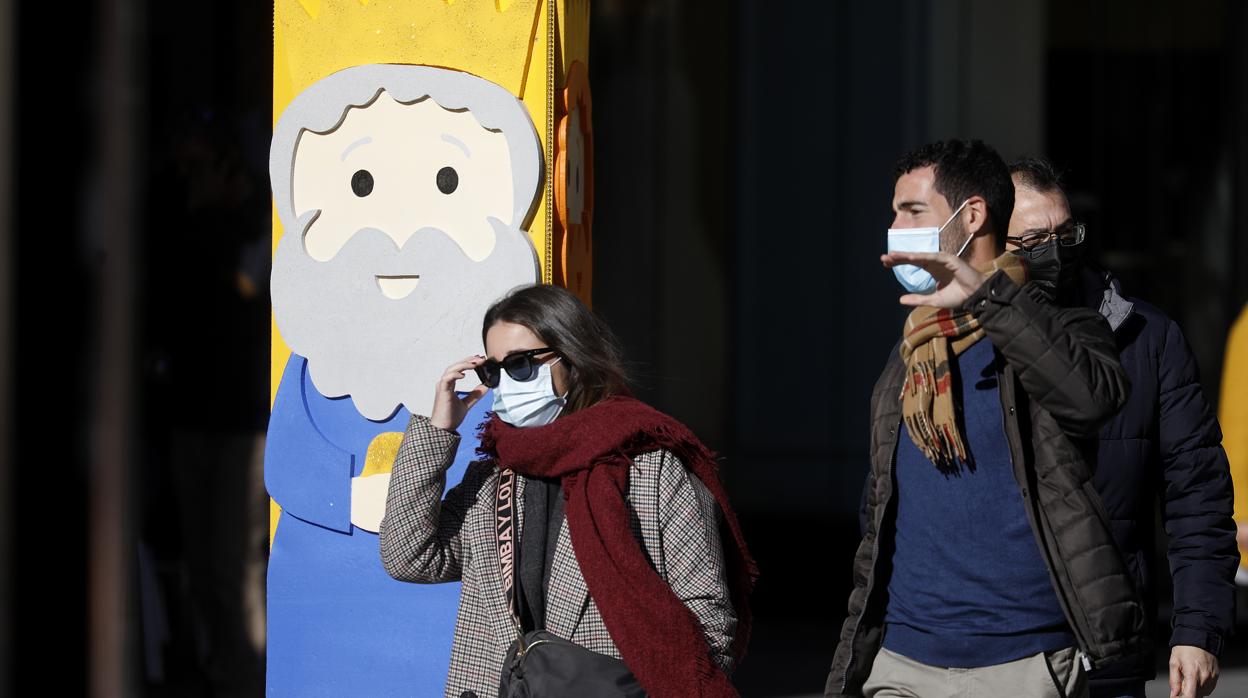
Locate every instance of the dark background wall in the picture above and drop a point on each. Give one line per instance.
(744, 159)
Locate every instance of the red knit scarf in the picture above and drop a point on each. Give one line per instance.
(592, 450)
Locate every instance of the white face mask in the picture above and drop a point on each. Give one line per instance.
(913, 278)
(532, 403)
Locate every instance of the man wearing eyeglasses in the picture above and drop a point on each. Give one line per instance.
(1164, 445)
(986, 568)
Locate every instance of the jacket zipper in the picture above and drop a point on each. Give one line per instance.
(875, 553)
(1035, 522)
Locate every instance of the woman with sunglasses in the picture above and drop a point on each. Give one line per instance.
(616, 512)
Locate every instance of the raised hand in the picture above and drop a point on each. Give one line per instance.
(956, 280)
(449, 409)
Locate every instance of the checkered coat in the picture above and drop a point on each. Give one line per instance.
(428, 538)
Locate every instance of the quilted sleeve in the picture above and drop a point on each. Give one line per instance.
(1065, 358)
(1197, 500)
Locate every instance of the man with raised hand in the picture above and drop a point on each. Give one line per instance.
(987, 567)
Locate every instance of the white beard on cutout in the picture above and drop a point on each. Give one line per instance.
(380, 323)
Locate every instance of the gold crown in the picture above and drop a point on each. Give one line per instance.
(489, 38)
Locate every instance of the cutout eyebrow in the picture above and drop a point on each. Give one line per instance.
(457, 143)
(910, 205)
(347, 151)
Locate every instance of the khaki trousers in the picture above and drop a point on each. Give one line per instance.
(1056, 674)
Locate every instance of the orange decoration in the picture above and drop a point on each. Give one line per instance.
(574, 185)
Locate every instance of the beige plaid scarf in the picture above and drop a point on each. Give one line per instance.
(927, 403)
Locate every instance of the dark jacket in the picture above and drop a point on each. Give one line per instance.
(1060, 381)
(1165, 445)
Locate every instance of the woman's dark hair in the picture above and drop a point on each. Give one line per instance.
(589, 349)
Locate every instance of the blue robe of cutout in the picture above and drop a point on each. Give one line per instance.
(338, 625)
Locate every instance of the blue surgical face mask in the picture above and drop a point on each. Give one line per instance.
(531, 403)
(913, 278)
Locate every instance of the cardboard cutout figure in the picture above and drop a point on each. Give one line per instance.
(404, 191)
(413, 178)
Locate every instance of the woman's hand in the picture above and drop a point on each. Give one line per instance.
(449, 409)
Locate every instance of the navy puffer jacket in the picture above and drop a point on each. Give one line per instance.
(1165, 446)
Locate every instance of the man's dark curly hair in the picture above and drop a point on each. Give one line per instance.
(965, 169)
(1038, 174)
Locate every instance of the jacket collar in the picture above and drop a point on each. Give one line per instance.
(1103, 292)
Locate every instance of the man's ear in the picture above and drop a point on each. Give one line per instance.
(975, 214)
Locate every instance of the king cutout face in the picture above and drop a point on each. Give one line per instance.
(407, 230)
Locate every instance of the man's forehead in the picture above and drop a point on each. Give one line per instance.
(1036, 210)
(917, 185)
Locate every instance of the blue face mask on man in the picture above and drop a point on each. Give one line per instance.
(913, 278)
(531, 403)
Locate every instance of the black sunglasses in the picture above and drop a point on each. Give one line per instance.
(521, 366)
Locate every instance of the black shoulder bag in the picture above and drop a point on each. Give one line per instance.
(540, 664)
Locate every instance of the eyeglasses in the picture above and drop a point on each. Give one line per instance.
(1067, 235)
(521, 366)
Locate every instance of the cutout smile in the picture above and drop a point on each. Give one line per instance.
(397, 287)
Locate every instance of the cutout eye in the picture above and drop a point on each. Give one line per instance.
(362, 183)
(448, 180)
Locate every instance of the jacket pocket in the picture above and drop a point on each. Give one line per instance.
(1139, 573)
(1094, 499)
(1099, 506)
